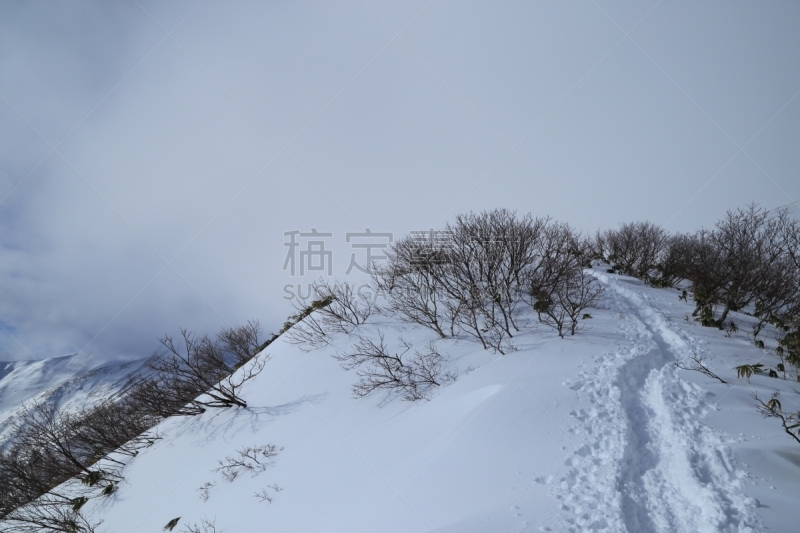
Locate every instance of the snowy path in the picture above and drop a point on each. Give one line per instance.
(649, 464)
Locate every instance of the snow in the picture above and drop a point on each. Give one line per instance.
(596, 432)
(67, 381)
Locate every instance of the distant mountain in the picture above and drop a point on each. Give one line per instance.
(66, 380)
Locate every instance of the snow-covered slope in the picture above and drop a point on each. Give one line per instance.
(596, 432)
(65, 381)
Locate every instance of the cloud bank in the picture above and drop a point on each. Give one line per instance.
(154, 154)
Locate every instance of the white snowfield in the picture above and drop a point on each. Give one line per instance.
(596, 432)
(67, 381)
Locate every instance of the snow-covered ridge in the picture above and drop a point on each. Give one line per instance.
(594, 432)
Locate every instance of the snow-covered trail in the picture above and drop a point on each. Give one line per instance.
(649, 464)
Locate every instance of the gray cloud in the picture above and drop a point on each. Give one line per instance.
(180, 161)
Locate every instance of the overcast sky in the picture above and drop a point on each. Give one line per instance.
(153, 154)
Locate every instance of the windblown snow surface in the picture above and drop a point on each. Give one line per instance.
(69, 381)
(596, 432)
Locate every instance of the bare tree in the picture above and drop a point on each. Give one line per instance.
(48, 513)
(379, 368)
(305, 329)
(411, 279)
(558, 288)
(242, 342)
(55, 437)
(488, 257)
(579, 292)
(161, 396)
(563, 308)
(474, 280)
(116, 425)
(205, 367)
(46, 451)
(337, 308)
(748, 242)
(346, 310)
(636, 248)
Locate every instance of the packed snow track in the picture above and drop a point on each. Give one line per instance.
(649, 464)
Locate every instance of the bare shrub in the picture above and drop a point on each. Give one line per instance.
(205, 490)
(412, 279)
(580, 292)
(264, 495)
(697, 363)
(558, 288)
(748, 241)
(161, 396)
(206, 525)
(474, 279)
(347, 308)
(202, 366)
(56, 461)
(636, 248)
(305, 329)
(773, 409)
(53, 442)
(412, 377)
(486, 256)
(252, 459)
(561, 306)
(337, 308)
(745, 260)
(242, 342)
(115, 425)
